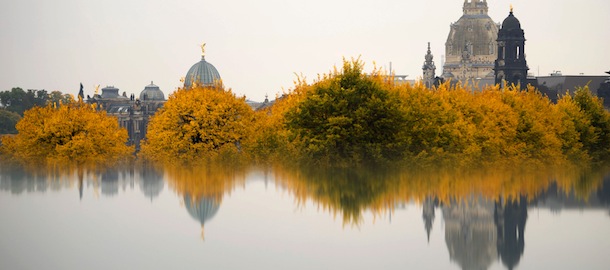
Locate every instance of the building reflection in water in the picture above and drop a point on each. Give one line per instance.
(151, 182)
(428, 208)
(203, 187)
(510, 218)
(478, 231)
(110, 183)
(470, 232)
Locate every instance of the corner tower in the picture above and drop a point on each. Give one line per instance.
(511, 66)
(470, 49)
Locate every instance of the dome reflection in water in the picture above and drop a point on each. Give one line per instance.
(484, 213)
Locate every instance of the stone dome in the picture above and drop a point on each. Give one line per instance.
(202, 73)
(511, 22)
(470, 50)
(152, 92)
(474, 32)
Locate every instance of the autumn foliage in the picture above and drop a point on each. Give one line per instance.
(72, 132)
(348, 118)
(197, 124)
(344, 118)
(351, 192)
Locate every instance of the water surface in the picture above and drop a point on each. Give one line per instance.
(273, 218)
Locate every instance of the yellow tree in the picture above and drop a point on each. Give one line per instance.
(270, 140)
(69, 132)
(200, 122)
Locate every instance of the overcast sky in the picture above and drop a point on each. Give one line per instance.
(259, 46)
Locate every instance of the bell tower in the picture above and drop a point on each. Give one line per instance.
(511, 66)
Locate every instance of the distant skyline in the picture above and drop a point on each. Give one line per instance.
(259, 46)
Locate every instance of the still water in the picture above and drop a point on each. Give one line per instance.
(144, 217)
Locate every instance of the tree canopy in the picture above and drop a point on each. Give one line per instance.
(347, 118)
(344, 118)
(198, 123)
(8, 120)
(74, 132)
(17, 100)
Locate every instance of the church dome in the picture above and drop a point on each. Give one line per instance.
(470, 49)
(474, 32)
(202, 73)
(152, 92)
(511, 22)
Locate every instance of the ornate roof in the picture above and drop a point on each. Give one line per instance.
(473, 32)
(152, 92)
(110, 92)
(429, 59)
(511, 22)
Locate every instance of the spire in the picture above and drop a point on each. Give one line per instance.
(429, 69)
(429, 55)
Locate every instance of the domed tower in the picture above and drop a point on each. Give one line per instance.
(429, 69)
(511, 66)
(152, 92)
(202, 73)
(471, 45)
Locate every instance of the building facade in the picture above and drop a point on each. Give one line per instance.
(132, 113)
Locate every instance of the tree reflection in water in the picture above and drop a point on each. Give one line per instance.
(484, 211)
(347, 192)
(203, 187)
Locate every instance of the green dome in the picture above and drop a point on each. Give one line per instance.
(202, 73)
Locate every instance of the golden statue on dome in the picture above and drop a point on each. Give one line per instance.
(202, 49)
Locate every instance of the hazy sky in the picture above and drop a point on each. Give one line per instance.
(259, 46)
